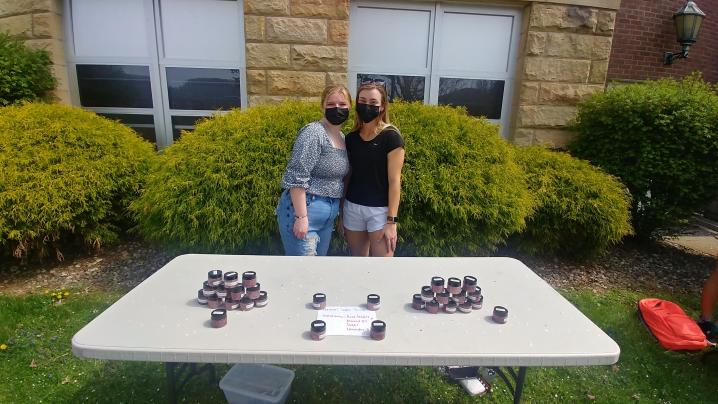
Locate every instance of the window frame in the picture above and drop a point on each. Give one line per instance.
(156, 63)
(432, 73)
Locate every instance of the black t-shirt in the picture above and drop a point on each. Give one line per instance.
(369, 182)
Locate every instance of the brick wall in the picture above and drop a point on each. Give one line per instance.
(39, 24)
(295, 47)
(565, 60)
(645, 31)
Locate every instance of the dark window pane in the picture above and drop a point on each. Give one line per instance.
(480, 97)
(180, 123)
(407, 88)
(203, 89)
(114, 86)
(144, 125)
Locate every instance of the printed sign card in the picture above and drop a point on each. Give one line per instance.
(347, 320)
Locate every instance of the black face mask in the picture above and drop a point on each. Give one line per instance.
(367, 113)
(336, 116)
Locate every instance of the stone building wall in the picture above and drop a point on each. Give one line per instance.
(39, 24)
(565, 59)
(295, 47)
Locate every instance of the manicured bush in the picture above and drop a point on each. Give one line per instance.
(216, 189)
(661, 139)
(462, 192)
(66, 175)
(24, 73)
(580, 210)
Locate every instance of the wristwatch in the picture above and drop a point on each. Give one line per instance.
(392, 219)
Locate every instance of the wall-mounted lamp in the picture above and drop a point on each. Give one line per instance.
(688, 21)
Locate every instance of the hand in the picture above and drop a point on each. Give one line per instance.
(301, 227)
(390, 236)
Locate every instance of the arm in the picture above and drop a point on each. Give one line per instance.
(395, 162)
(305, 155)
(341, 201)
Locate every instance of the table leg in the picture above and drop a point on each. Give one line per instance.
(517, 387)
(182, 373)
(171, 382)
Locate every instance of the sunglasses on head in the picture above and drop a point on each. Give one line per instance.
(378, 82)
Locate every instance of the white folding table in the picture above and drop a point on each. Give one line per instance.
(161, 321)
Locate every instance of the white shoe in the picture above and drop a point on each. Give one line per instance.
(473, 386)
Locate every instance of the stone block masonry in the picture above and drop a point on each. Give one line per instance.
(565, 61)
(295, 47)
(39, 24)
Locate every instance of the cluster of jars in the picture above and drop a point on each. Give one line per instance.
(224, 292)
(450, 295)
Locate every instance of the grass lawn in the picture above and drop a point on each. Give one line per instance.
(38, 365)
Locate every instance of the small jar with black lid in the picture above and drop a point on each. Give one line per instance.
(465, 307)
(231, 279)
(373, 302)
(201, 298)
(417, 302)
(443, 297)
(432, 307)
(262, 300)
(236, 292)
(427, 294)
(459, 297)
(214, 277)
(319, 301)
(501, 314)
(207, 289)
(450, 307)
(478, 304)
(437, 284)
(378, 330)
(246, 303)
(469, 283)
(252, 291)
(219, 318)
(221, 291)
(231, 304)
(249, 279)
(214, 302)
(454, 285)
(474, 295)
(318, 330)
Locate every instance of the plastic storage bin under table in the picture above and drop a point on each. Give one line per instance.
(257, 384)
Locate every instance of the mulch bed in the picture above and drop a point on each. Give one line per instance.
(656, 266)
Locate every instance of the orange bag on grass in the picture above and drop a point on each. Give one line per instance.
(671, 326)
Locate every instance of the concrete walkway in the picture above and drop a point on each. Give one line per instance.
(700, 236)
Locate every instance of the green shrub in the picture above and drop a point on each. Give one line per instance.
(580, 210)
(216, 189)
(24, 73)
(65, 175)
(661, 139)
(462, 192)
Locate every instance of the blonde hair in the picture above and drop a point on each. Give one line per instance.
(329, 90)
(383, 115)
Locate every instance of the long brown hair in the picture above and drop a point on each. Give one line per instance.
(383, 115)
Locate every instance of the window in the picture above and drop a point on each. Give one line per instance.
(156, 65)
(459, 55)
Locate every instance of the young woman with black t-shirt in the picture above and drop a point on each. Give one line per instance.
(376, 156)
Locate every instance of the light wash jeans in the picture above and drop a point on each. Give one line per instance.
(321, 212)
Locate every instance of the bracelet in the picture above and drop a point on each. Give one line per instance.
(299, 217)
